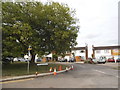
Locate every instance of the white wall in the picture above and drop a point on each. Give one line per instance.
(50, 55)
(78, 53)
(106, 53)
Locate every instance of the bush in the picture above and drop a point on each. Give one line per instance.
(89, 62)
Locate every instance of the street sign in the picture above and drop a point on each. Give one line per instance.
(26, 56)
(29, 48)
(42, 64)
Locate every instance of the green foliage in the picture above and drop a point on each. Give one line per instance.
(18, 69)
(89, 62)
(46, 27)
(55, 57)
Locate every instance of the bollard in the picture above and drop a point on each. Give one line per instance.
(36, 73)
(72, 67)
(66, 69)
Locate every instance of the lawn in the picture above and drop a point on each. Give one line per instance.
(17, 69)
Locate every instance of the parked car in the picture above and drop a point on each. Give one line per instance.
(7, 59)
(20, 59)
(39, 60)
(62, 60)
(71, 59)
(102, 59)
(118, 60)
(111, 60)
(94, 60)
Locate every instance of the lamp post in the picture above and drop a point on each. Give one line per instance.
(29, 48)
(29, 57)
(86, 51)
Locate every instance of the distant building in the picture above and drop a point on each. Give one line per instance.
(108, 51)
(79, 53)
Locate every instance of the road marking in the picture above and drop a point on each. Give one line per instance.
(100, 71)
(106, 73)
(16, 81)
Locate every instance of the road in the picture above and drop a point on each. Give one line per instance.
(83, 76)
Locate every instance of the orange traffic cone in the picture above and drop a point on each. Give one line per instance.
(60, 68)
(50, 69)
(55, 71)
(72, 67)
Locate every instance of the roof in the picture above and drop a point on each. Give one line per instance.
(79, 48)
(106, 47)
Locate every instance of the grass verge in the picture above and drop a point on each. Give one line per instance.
(18, 69)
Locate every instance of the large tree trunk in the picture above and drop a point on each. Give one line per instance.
(33, 57)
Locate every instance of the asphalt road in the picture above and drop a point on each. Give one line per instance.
(83, 76)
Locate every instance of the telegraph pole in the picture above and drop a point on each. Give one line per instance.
(29, 55)
(86, 51)
(93, 54)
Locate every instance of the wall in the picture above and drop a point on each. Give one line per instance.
(106, 53)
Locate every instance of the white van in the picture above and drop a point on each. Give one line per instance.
(101, 59)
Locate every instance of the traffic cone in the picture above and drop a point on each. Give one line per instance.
(55, 71)
(50, 69)
(36, 73)
(60, 68)
(72, 67)
(66, 69)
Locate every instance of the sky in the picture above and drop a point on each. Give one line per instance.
(98, 21)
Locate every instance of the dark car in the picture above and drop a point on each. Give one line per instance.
(39, 60)
(62, 60)
(118, 60)
(7, 59)
(65, 60)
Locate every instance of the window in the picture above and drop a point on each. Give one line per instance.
(82, 51)
(106, 51)
(97, 51)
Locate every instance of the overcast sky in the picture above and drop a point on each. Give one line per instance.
(98, 21)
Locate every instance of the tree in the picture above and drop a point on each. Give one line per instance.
(46, 27)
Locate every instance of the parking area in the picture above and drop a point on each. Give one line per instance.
(112, 65)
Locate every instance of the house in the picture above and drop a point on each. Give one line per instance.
(80, 53)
